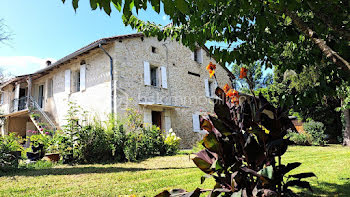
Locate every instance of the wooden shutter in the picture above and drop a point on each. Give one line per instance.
(67, 81)
(147, 73)
(207, 90)
(196, 123)
(215, 85)
(192, 54)
(164, 77)
(200, 55)
(167, 120)
(82, 77)
(147, 116)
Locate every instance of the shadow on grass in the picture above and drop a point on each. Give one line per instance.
(329, 189)
(79, 170)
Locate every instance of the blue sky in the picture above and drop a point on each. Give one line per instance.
(49, 29)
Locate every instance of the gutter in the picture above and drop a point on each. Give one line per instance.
(111, 76)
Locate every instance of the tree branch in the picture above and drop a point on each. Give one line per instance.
(326, 50)
(328, 22)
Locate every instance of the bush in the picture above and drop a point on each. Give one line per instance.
(10, 148)
(300, 138)
(96, 141)
(316, 131)
(172, 143)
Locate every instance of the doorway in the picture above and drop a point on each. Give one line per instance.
(41, 96)
(157, 119)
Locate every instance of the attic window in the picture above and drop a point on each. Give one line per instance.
(154, 49)
(82, 62)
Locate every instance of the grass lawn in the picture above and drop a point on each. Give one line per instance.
(147, 178)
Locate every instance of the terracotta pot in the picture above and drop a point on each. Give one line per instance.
(55, 157)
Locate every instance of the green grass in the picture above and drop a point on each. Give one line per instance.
(147, 178)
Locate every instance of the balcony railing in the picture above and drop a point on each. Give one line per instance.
(19, 104)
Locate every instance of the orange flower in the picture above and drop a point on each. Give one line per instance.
(211, 66)
(230, 93)
(226, 88)
(243, 73)
(235, 100)
(211, 73)
(211, 69)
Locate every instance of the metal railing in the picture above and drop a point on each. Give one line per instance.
(19, 104)
(34, 106)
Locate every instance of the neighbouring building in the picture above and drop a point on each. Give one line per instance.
(164, 80)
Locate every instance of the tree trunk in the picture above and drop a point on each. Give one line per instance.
(326, 50)
(346, 139)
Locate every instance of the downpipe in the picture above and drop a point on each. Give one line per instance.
(111, 76)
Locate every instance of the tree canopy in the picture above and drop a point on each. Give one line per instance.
(310, 38)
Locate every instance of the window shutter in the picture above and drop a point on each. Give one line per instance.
(207, 91)
(67, 81)
(167, 120)
(164, 77)
(196, 123)
(2, 98)
(215, 85)
(192, 54)
(147, 73)
(147, 116)
(82, 77)
(200, 56)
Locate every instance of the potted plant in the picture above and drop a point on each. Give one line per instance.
(53, 148)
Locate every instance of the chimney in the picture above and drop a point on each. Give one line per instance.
(48, 63)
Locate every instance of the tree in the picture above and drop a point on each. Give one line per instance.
(4, 34)
(285, 34)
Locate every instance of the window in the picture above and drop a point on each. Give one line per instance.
(210, 87)
(197, 124)
(154, 76)
(154, 49)
(50, 88)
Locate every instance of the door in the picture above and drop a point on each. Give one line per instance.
(157, 119)
(41, 96)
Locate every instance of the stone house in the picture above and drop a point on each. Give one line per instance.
(164, 80)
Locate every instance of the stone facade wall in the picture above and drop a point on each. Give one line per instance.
(129, 55)
(183, 89)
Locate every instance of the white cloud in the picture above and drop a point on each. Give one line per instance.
(164, 18)
(20, 65)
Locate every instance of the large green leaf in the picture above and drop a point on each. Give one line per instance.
(267, 172)
(211, 143)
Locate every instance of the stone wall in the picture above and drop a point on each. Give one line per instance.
(129, 55)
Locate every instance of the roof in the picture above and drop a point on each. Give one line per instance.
(82, 51)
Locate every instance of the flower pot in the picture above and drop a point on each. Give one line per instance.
(55, 157)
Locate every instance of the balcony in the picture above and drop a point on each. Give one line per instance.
(18, 104)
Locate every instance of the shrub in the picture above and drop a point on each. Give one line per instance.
(172, 143)
(9, 151)
(316, 131)
(300, 138)
(97, 141)
(244, 146)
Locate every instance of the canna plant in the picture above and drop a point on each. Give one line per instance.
(243, 147)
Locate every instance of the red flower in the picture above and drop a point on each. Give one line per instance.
(243, 73)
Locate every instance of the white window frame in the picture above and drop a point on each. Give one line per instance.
(161, 75)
